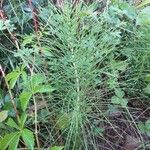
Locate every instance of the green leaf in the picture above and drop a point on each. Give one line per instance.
(28, 39)
(119, 93)
(22, 120)
(3, 115)
(144, 17)
(24, 76)
(119, 101)
(56, 148)
(11, 75)
(24, 99)
(36, 79)
(12, 78)
(128, 10)
(13, 82)
(43, 89)
(147, 124)
(119, 65)
(142, 127)
(14, 143)
(5, 142)
(147, 89)
(12, 123)
(28, 138)
(8, 25)
(147, 78)
(145, 127)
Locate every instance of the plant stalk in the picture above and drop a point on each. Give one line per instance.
(10, 93)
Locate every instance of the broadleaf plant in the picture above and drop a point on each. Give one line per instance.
(36, 85)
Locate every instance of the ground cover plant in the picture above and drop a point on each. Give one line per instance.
(75, 75)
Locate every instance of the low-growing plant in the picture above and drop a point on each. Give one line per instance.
(70, 71)
(30, 86)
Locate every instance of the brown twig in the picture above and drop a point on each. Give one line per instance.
(34, 12)
(35, 108)
(4, 17)
(36, 122)
(34, 15)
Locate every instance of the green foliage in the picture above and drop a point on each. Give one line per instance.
(144, 3)
(118, 98)
(24, 99)
(28, 138)
(145, 127)
(68, 80)
(36, 85)
(57, 148)
(13, 77)
(3, 115)
(147, 89)
(144, 18)
(9, 140)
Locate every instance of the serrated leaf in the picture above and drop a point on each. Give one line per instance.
(28, 138)
(14, 143)
(3, 115)
(56, 148)
(24, 99)
(4, 142)
(12, 123)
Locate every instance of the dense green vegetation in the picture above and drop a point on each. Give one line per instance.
(74, 75)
